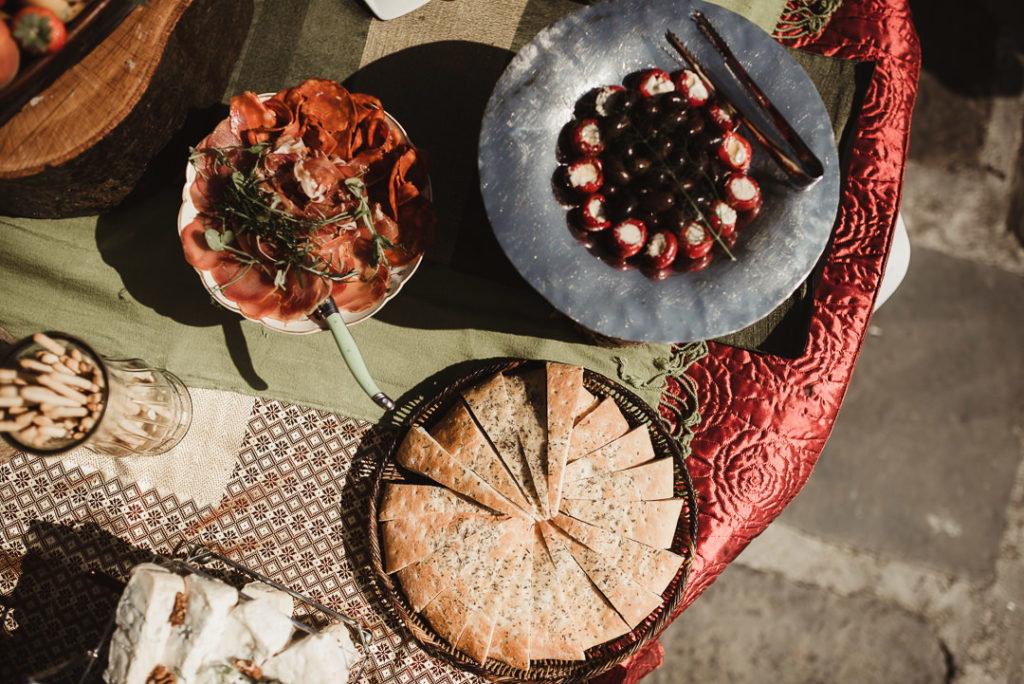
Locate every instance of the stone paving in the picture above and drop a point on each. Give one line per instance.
(902, 560)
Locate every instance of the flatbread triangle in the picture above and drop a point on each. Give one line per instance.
(421, 453)
(527, 394)
(407, 540)
(512, 640)
(653, 480)
(597, 622)
(599, 427)
(410, 500)
(564, 385)
(555, 635)
(627, 451)
(632, 601)
(459, 435)
(649, 522)
(489, 403)
(652, 568)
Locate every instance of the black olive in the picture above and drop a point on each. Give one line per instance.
(624, 101)
(649, 108)
(615, 172)
(640, 165)
(676, 158)
(651, 219)
(672, 119)
(625, 206)
(625, 147)
(658, 201)
(662, 145)
(615, 126)
(610, 191)
(673, 100)
(696, 125)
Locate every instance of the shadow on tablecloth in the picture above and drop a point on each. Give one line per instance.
(56, 612)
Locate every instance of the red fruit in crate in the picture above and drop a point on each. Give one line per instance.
(10, 57)
(628, 237)
(661, 249)
(587, 139)
(38, 30)
(695, 240)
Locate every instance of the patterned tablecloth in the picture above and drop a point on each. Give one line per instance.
(294, 506)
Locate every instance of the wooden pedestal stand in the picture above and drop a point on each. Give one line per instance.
(81, 145)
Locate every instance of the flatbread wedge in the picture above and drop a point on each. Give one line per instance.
(653, 480)
(601, 426)
(596, 621)
(585, 403)
(421, 453)
(564, 385)
(489, 403)
(447, 614)
(459, 435)
(652, 568)
(648, 522)
(527, 394)
(425, 579)
(553, 624)
(629, 450)
(409, 500)
(633, 602)
(407, 540)
(512, 640)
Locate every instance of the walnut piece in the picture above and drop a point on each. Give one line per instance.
(161, 675)
(180, 606)
(248, 668)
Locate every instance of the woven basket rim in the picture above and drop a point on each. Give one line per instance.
(599, 658)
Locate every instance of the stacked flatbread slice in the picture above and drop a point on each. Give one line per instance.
(547, 531)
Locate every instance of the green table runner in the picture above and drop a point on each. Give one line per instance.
(120, 282)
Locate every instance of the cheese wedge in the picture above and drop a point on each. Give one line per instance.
(324, 658)
(143, 624)
(207, 605)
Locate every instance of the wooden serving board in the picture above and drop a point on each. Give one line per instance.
(79, 146)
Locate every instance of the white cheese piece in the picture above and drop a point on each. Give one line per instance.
(582, 174)
(656, 246)
(741, 188)
(694, 233)
(253, 631)
(323, 658)
(143, 624)
(725, 213)
(629, 233)
(281, 599)
(191, 643)
(657, 84)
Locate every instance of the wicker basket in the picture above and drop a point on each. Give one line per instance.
(601, 658)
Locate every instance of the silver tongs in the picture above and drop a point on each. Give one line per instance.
(784, 144)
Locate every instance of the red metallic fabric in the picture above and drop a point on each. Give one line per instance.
(766, 419)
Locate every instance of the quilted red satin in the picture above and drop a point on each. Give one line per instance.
(766, 419)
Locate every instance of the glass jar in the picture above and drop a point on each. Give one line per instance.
(57, 393)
